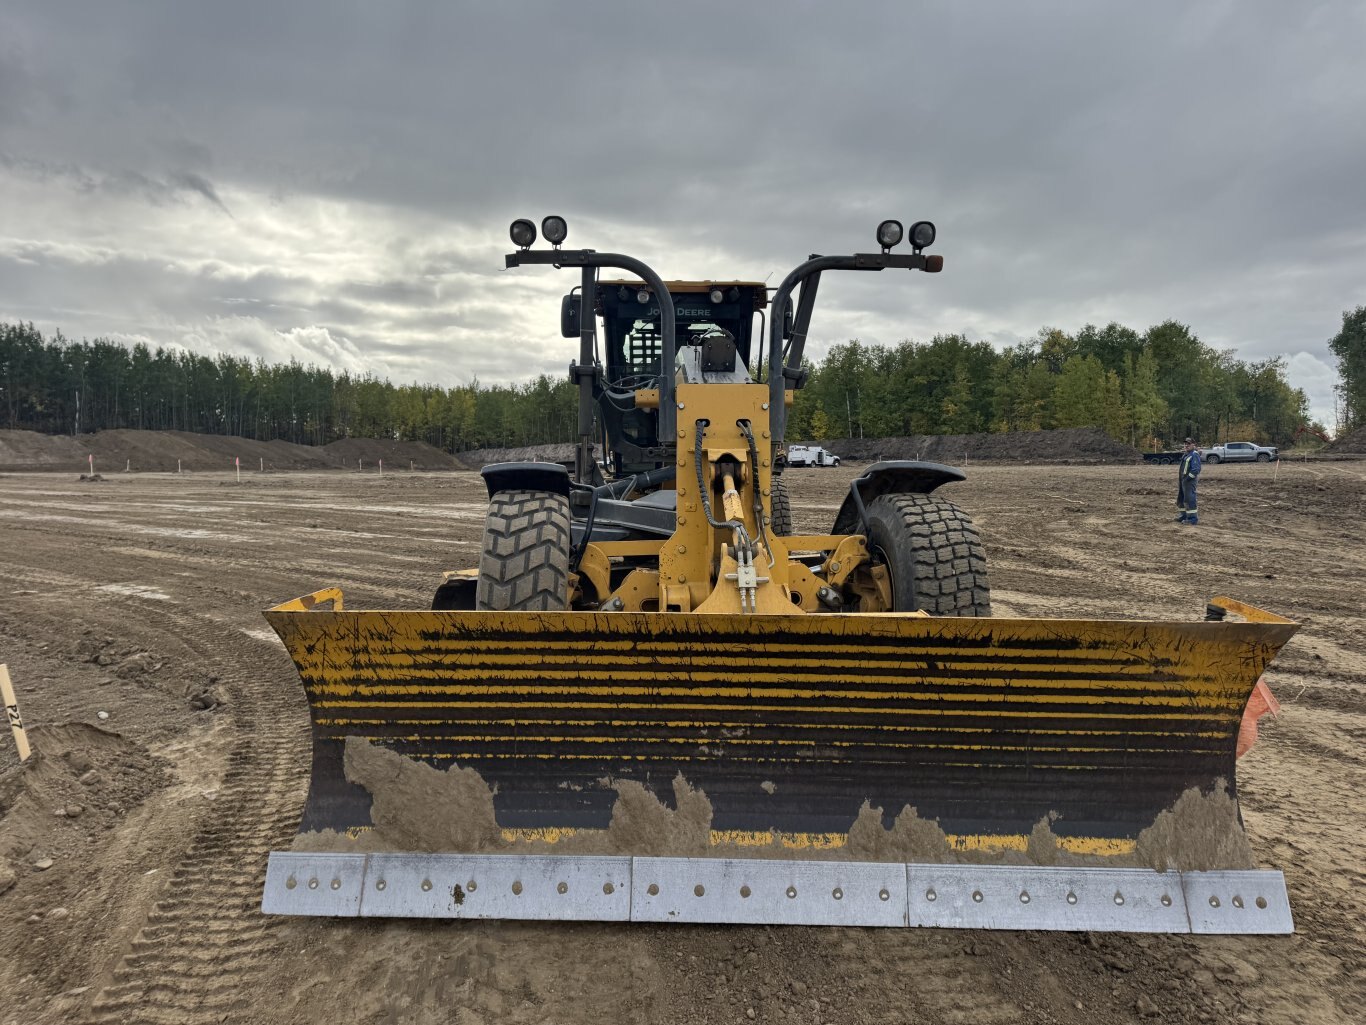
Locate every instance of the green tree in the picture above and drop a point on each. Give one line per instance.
(1349, 346)
(1145, 405)
(820, 425)
(1112, 344)
(1079, 395)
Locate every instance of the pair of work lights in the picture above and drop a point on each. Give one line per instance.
(889, 234)
(523, 232)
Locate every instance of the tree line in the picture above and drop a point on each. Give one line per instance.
(1148, 390)
(58, 386)
(1145, 389)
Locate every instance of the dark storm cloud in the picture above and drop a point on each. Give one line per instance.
(121, 181)
(1083, 162)
(192, 182)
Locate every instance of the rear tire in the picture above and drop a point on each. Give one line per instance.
(933, 553)
(525, 562)
(781, 506)
(1214, 459)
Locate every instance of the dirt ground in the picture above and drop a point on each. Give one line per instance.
(112, 452)
(132, 849)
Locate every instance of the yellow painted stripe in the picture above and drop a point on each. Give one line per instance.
(727, 743)
(507, 654)
(938, 713)
(734, 685)
(586, 682)
(815, 661)
(921, 637)
(1093, 845)
(637, 724)
(914, 704)
(765, 669)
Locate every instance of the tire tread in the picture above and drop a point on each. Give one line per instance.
(950, 565)
(524, 565)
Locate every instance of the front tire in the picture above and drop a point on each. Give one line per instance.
(1263, 457)
(780, 520)
(524, 566)
(933, 554)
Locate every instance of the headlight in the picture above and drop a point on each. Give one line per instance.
(889, 234)
(643, 296)
(554, 229)
(715, 295)
(922, 235)
(523, 233)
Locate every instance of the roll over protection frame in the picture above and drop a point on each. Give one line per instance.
(808, 275)
(587, 258)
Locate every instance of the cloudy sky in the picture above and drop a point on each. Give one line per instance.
(333, 181)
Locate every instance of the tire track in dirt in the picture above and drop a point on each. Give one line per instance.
(205, 945)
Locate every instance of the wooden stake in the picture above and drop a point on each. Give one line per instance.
(11, 704)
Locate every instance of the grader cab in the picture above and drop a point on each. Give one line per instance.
(834, 696)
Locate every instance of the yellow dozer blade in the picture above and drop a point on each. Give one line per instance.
(1005, 732)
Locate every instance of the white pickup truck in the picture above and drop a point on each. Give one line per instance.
(1239, 452)
(811, 455)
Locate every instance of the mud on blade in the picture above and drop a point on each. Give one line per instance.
(787, 723)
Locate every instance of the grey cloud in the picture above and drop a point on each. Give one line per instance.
(117, 181)
(192, 182)
(1127, 162)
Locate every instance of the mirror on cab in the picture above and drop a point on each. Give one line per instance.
(569, 316)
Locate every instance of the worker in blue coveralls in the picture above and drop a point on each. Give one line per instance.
(1185, 486)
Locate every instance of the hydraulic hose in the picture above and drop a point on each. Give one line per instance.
(736, 525)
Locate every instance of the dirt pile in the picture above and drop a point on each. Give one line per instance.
(167, 451)
(478, 458)
(1071, 445)
(78, 779)
(399, 455)
(1353, 443)
(55, 810)
(156, 451)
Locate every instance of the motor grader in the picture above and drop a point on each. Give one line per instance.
(650, 614)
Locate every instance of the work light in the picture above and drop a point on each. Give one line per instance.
(889, 234)
(554, 229)
(523, 233)
(922, 235)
